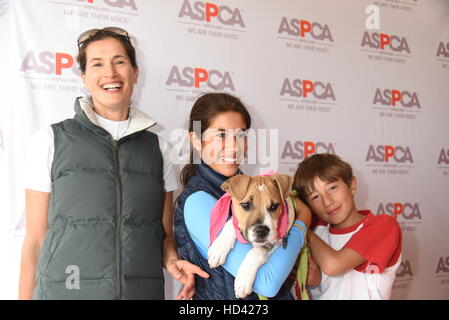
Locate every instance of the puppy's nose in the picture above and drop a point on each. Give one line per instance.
(261, 231)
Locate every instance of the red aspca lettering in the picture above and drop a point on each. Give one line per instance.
(212, 10)
(389, 152)
(302, 28)
(302, 88)
(208, 11)
(115, 3)
(302, 150)
(194, 77)
(49, 63)
(309, 149)
(394, 97)
(382, 40)
(385, 153)
(307, 87)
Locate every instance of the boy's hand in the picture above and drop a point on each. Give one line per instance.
(303, 212)
(313, 273)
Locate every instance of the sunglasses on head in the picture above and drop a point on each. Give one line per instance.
(90, 33)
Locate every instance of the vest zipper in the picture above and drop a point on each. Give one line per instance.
(119, 219)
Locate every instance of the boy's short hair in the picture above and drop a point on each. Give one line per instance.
(328, 167)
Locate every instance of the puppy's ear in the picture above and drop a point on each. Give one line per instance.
(237, 186)
(284, 184)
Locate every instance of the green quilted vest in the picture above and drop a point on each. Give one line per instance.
(104, 238)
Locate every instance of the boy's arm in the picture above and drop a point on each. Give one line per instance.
(332, 262)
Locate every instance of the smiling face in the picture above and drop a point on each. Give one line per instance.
(109, 75)
(224, 143)
(333, 202)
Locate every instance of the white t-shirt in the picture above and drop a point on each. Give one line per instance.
(379, 240)
(41, 148)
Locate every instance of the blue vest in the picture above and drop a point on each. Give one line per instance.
(220, 284)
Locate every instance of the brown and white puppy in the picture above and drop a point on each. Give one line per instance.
(257, 204)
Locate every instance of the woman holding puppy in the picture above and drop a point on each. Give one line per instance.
(217, 130)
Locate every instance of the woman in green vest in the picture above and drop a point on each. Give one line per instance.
(99, 191)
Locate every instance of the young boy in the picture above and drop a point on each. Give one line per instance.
(358, 252)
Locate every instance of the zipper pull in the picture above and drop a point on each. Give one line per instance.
(116, 146)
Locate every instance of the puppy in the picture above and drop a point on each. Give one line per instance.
(262, 215)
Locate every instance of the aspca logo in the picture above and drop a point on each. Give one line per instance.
(47, 62)
(382, 41)
(300, 150)
(208, 12)
(443, 50)
(307, 89)
(386, 153)
(393, 97)
(443, 265)
(443, 158)
(114, 3)
(409, 211)
(305, 29)
(195, 77)
(405, 269)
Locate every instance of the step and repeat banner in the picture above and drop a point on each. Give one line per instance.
(365, 79)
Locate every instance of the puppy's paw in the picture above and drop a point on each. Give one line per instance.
(218, 252)
(243, 285)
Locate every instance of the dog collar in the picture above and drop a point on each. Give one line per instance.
(269, 246)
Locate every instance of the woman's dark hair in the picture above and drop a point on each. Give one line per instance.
(205, 109)
(100, 35)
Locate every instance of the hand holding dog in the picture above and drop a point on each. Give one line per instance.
(313, 273)
(303, 212)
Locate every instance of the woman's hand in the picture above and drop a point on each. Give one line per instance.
(184, 272)
(181, 270)
(303, 212)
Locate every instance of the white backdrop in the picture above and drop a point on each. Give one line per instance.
(310, 70)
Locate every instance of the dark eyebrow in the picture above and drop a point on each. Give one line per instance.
(114, 57)
(221, 129)
(93, 59)
(119, 56)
